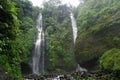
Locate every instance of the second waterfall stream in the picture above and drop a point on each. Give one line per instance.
(74, 30)
(38, 54)
(74, 27)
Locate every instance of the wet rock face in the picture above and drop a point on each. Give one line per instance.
(26, 69)
(3, 75)
(91, 46)
(90, 64)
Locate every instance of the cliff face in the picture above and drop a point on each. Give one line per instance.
(99, 31)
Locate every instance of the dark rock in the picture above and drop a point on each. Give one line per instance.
(3, 75)
(26, 69)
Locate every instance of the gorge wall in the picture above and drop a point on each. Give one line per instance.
(98, 31)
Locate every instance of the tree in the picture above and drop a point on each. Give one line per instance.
(56, 22)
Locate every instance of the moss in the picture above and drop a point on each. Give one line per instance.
(93, 45)
(97, 33)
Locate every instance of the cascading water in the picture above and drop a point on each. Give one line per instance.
(74, 29)
(38, 55)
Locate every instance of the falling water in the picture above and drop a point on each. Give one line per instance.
(74, 27)
(38, 55)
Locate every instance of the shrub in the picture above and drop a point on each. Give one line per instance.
(110, 60)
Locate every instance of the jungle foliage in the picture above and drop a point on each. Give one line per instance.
(98, 33)
(97, 44)
(17, 29)
(59, 41)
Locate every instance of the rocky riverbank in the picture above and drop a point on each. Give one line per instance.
(96, 75)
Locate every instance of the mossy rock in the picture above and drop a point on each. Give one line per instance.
(94, 41)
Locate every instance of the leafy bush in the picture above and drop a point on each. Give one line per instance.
(110, 60)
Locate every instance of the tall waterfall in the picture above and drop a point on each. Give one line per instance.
(74, 27)
(38, 55)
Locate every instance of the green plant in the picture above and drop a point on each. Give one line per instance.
(110, 60)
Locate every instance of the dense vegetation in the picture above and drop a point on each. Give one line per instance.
(98, 34)
(111, 63)
(17, 29)
(96, 48)
(59, 41)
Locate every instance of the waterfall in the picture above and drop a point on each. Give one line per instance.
(74, 27)
(38, 55)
